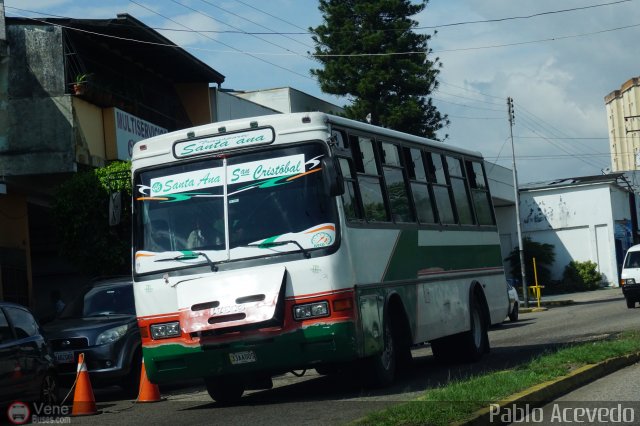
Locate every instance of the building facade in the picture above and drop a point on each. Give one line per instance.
(623, 121)
(590, 218)
(75, 95)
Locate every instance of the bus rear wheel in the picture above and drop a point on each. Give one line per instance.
(468, 346)
(475, 342)
(380, 370)
(225, 389)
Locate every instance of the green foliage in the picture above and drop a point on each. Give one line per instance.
(581, 276)
(457, 401)
(544, 255)
(81, 215)
(392, 87)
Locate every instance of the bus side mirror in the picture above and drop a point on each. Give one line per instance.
(332, 176)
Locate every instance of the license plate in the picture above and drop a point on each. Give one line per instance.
(65, 357)
(242, 357)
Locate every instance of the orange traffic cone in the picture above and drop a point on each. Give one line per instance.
(148, 391)
(84, 403)
(17, 372)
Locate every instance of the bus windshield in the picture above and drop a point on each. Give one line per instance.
(244, 205)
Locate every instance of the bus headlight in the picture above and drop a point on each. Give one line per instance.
(625, 281)
(163, 331)
(311, 310)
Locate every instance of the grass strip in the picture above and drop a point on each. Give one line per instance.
(459, 400)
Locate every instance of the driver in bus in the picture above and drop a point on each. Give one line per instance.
(199, 238)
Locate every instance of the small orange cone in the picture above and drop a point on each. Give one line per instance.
(17, 372)
(84, 403)
(148, 392)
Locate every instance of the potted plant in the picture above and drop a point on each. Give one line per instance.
(80, 84)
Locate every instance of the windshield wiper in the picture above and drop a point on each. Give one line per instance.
(192, 255)
(280, 243)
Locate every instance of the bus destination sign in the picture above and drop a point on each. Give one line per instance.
(226, 142)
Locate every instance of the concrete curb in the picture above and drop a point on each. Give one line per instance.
(544, 305)
(545, 392)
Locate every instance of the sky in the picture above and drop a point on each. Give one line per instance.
(557, 60)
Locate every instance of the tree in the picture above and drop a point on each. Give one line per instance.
(545, 256)
(81, 214)
(389, 84)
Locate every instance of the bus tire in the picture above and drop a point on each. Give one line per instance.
(225, 389)
(380, 370)
(475, 342)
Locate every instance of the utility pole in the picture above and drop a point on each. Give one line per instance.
(512, 117)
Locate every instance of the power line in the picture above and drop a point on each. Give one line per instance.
(554, 133)
(310, 55)
(274, 16)
(466, 106)
(229, 25)
(475, 118)
(253, 22)
(224, 44)
(468, 98)
(483, 21)
(575, 155)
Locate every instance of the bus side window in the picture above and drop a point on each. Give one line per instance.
(352, 209)
(480, 193)
(422, 198)
(437, 178)
(459, 189)
(369, 180)
(396, 185)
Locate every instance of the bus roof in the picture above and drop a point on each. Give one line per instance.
(283, 124)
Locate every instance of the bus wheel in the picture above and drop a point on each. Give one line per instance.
(380, 369)
(475, 342)
(225, 389)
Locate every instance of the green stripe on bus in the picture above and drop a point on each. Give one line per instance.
(408, 258)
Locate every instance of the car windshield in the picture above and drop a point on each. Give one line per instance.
(102, 300)
(632, 260)
(258, 199)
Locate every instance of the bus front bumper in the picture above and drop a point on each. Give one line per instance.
(301, 348)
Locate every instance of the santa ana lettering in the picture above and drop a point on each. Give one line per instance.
(209, 180)
(222, 143)
(173, 186)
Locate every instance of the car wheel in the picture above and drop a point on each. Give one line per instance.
(225, 389)
(130, 383)
(631, 303)
(513, 315)
(49, 390)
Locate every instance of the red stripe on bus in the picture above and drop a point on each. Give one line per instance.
(289, 323)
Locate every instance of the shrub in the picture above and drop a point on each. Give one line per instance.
(82, 221)
(545, 256)
(581, 276)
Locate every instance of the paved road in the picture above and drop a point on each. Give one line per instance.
(314, 399)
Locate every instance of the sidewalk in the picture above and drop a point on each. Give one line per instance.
(547, 301)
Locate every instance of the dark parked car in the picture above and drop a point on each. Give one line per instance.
(27, 370)
(101, 323)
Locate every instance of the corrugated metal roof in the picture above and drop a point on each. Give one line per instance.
(138, 42)
(573, 181)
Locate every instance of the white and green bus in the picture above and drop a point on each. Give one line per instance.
(295, 241)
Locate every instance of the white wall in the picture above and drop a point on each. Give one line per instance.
(578, 221)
